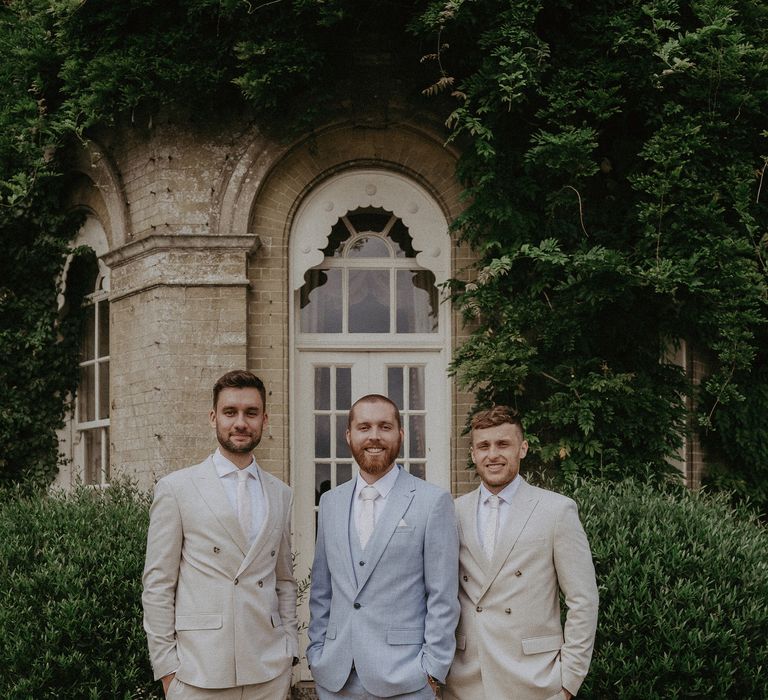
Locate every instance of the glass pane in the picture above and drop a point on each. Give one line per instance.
(343, 388)
(416, 436)
(416, 302)
(339, 234)
(86, 394)
(321, 302)
(342, 449)
(105, 447)
(369, 301)
(368, 247)
(395, 386)
(367, 219)
(89, 332)
(103, 328)
(399, 234)
(418, 469)
(416, 388)
(322, 388)
(104, 389)
(343, 473)
(322, 436)
(322, 480)
(92, 466)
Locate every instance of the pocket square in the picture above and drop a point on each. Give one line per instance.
(402, 523)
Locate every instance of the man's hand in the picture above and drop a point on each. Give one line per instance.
(166, 681)
(567, 694)
(437, 688)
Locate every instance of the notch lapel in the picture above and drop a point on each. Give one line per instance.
(398, 501)
(523, 504)
(341, 508)
(211, 491)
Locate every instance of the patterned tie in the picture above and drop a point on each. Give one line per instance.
(491, 526)
(244, 503)
(369, 494)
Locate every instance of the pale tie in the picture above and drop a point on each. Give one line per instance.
(367, 515)
(491, 525)
(244, 514)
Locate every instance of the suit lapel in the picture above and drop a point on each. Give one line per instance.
(211, 491)
(467, 517)
(522, 506)
(340, 514)
(398, 501)
(272, 517)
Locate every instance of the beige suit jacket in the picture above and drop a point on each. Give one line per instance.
(218, 613)
(510, 642)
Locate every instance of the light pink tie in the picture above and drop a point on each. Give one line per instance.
(244, 514)
(367, 516)
(491, 526)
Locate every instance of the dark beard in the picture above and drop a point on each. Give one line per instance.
(227, 444)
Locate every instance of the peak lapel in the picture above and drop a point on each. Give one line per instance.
(211, 491)
(399, 499)
(523, 504)
(272, 518)
(466, 512)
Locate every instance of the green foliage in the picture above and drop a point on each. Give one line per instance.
(614, 155)
(70, 590)
(683, 582)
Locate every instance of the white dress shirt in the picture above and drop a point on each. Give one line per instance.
(383, 486)
(227, 472)
(484, 509)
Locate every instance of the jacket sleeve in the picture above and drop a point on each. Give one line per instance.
(286, 583)
(441, 580)
(320, 594)
(161, 573)
(576, 579)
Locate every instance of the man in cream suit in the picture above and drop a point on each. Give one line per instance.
(520, 547)
(383, 600)
(219, 594)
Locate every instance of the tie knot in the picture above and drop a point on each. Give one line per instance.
(493, 501)
(242, 474)
(369, 493)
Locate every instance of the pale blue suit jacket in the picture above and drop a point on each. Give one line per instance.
(394, 612)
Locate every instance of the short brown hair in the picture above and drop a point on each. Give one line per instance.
(498, 415)
(239, 379)
(375, 398)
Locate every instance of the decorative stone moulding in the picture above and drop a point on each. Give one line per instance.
(343, 193)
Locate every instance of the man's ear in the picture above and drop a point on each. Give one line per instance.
(212, 417)
(523, 448)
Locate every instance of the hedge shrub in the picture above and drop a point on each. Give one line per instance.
(70, 595)
(683, 582)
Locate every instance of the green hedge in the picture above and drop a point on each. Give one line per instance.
(683, 582)
(70, 595)
(683, 594)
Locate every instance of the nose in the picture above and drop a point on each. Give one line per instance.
(240, 420)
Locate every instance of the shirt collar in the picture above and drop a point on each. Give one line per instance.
(506, 494)
(225, 467)
(383, 485)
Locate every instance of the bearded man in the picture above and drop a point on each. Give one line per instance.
(384, 595)
(219, 593)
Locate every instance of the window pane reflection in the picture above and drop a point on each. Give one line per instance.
(322, 480)
(321, 304)
(416, 436)
(343, 473)
(395, 386)
(369, 301)
(86, 394)
(342, 449)
(103, 328)
(322, 436)
(343, 388)
(368, 247)
(104, 389)
(322, 388)
(416, 302)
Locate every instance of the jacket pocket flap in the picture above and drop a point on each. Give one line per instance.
(405, 636)
(537, 645)
(461, 641)
(276, 620)
(201, 621)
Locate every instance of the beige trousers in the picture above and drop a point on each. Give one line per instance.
(276, 689)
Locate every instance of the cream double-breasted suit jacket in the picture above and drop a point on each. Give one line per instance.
(510, 643)
(217, 612)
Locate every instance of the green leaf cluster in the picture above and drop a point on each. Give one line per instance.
(614, 162)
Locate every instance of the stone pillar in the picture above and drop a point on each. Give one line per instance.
(178, 313)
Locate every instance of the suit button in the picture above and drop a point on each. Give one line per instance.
(236, 581)
(508, 611)
(272, 553)
(356, 606)
(261, 584)
(362, 563)
(479, 609)
(518, 573)
(466, 578)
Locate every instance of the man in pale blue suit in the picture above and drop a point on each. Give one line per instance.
(384, 597)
